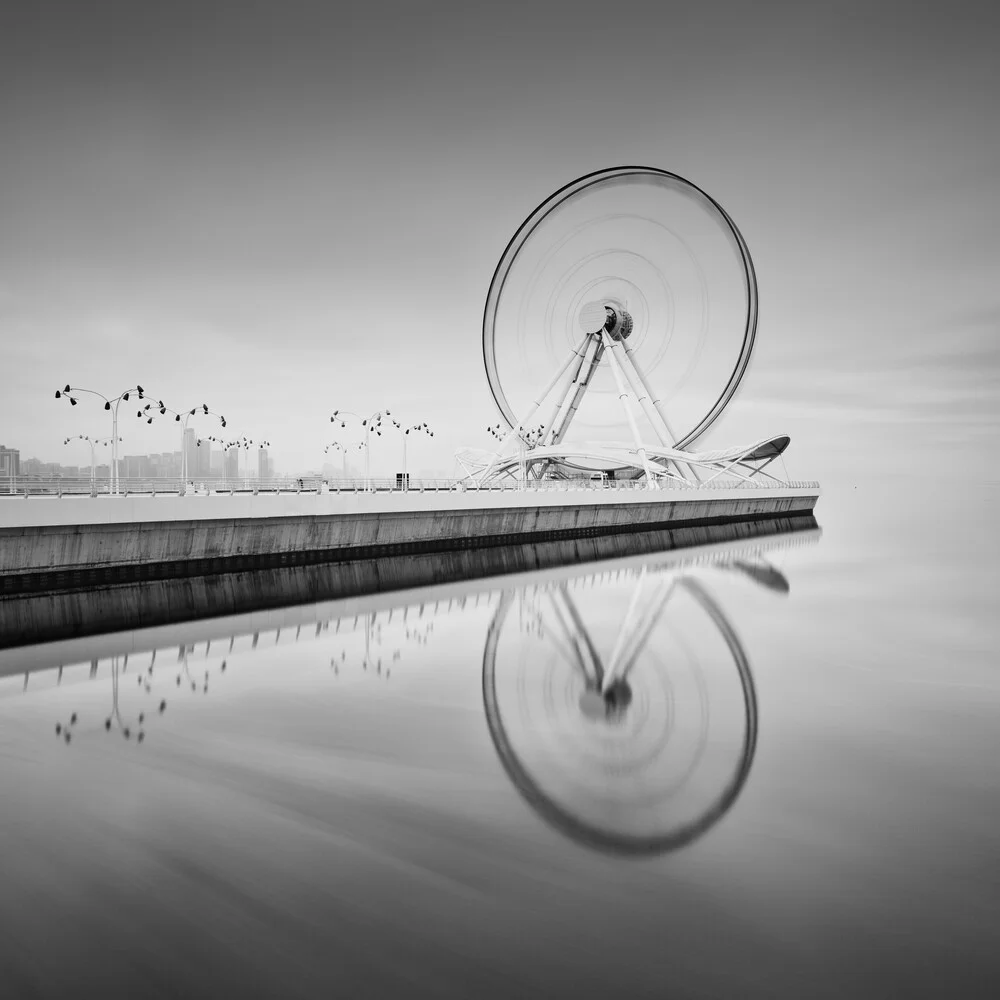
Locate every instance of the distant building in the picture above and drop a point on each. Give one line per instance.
(162, 466)
(10, 462)
(262, 464)
(190, 450)
(218, 463)
(203, 460)
(135, 467)
(232, 465)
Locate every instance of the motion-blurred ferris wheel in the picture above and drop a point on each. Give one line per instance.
(618, 325)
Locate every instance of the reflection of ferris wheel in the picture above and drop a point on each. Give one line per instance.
(625, 309)
(635, 745)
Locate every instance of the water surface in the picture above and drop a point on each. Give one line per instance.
(788, 788)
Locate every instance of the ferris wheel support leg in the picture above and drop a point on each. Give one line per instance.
(626, 402)
(584, 662)
(657, 405)
(582, 386)
(640, 636)
(624, 632)
(566, 392)
(539, 400)
(583, 642)
(642, 395)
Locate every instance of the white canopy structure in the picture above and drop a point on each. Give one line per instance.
(743, 463)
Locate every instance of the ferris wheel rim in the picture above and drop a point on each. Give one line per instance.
(549, 205)
(599, 838)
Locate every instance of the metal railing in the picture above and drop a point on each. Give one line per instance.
(33, 486)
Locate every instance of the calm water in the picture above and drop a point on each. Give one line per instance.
(789, 787)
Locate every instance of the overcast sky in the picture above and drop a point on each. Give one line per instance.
(283, 208)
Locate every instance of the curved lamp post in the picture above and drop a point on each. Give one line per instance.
(527, 438)
(181, 417)
(244, 443)
(404, 433)
(343, 449)
(111, 404)
(368, 424)
(93, 442)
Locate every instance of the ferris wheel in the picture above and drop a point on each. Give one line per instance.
(618, 326)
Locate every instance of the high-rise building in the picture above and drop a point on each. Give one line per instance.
(232, 467)
(190, 451)
(218, 463)
(262, 464)
(10, 462)
(203, 459)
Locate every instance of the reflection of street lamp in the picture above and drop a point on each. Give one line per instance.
(343, 449)
(181, 417)
(93, 442)
(404, 433)
(367, 423)
(109, 404)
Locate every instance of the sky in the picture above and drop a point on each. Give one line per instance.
(281, 209)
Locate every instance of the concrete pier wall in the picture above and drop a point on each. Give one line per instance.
(53, 536)
(49, 617)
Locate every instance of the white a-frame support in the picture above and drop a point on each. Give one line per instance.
(574, 377)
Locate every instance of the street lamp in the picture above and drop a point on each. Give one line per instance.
(404, 433)
(93, 442)
(343, 449)
(112, 405)
(151, 410)
(245, 443)
(527, 438)
(367, 423)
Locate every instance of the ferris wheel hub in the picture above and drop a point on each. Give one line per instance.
(609, 315)
(611, 706)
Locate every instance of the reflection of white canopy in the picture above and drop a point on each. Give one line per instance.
(743, 462)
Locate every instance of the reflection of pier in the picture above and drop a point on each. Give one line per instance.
(618, 696)
(59, 617)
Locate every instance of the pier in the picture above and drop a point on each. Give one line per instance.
(52, 541)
